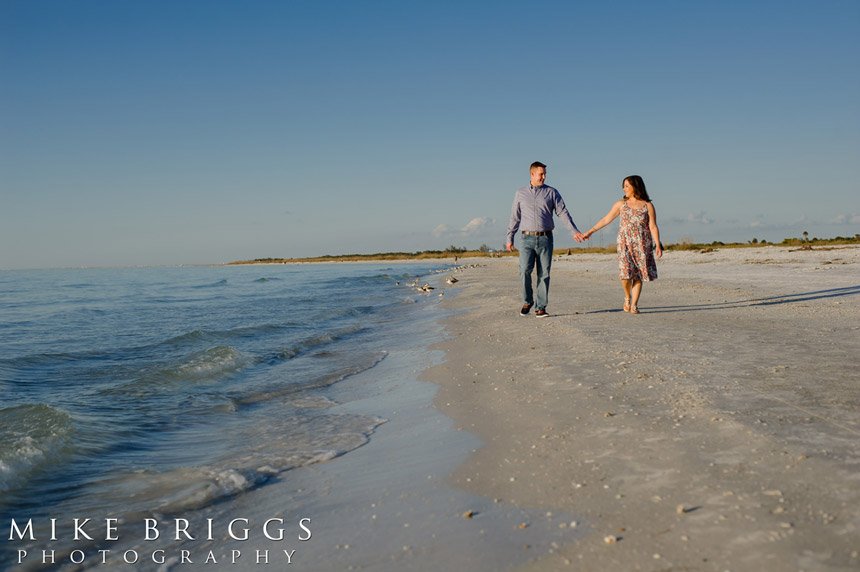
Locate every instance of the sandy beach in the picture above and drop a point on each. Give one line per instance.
(717, 430)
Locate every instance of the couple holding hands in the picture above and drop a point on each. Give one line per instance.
(638, 237)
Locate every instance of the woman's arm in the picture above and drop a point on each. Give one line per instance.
(655, 232)
(610, 216)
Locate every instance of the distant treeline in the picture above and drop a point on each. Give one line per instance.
(463, 252)
(804, 241)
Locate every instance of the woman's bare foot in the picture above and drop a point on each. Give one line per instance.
(634, 310)
(626, 304)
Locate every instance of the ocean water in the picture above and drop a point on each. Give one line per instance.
(157, 391)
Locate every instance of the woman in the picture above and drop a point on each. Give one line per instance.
(638, 239)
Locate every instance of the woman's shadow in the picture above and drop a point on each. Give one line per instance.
(769, 301)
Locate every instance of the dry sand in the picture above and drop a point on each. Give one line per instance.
(717, 430)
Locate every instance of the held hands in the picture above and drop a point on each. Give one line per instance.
(577, 236)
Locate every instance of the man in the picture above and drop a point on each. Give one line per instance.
(532, 211)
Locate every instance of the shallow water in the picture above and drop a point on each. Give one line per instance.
(130, 392)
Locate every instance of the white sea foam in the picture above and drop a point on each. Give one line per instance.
(209, 363)
(361, 364)
(317, 340)
(278, 447)
(31, 437)
(312, 402)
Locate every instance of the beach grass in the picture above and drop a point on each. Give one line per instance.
(462, 252)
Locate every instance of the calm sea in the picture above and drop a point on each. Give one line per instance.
(157, 391)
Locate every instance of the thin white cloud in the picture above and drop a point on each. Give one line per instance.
(700, 218)
(474, 227)
(695, 218)
(441, 230)
(758, 222)
(477, 225)
(846, 219)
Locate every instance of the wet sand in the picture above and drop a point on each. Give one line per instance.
(717, 430)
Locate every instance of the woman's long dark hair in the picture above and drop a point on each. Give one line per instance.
(638, 185)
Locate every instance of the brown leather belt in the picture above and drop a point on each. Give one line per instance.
(537, 232)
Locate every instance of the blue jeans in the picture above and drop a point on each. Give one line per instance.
(536, 250)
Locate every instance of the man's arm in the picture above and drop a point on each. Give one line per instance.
(514, 222)
(562, 213)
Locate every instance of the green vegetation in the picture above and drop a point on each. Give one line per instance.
(802, 242)
(485, 251)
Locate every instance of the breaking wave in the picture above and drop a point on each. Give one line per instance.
(32, 438)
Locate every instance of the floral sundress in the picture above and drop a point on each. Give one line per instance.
(635, 245)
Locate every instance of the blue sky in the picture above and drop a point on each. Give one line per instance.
(164, 132)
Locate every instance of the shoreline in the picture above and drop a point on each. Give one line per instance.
(386, 506)
(716, 430)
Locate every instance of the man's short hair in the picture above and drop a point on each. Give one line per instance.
(536, 165)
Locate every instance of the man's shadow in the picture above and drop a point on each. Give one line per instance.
(769, 301)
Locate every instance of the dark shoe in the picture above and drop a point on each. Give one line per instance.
(524, 311)
(541, 313)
